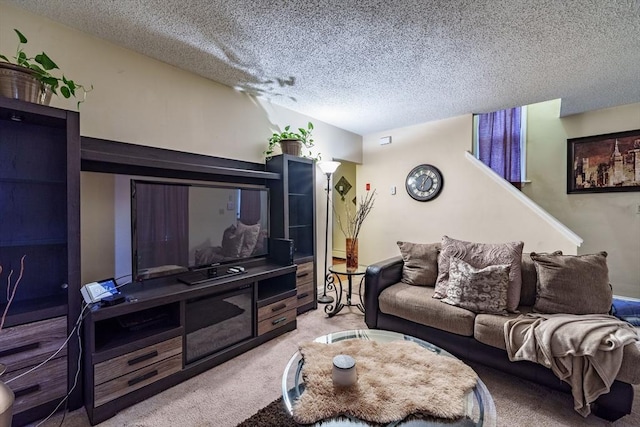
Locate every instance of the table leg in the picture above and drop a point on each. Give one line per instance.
(332, 309)
(361, 305)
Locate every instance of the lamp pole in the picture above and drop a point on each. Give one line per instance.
(328, 168)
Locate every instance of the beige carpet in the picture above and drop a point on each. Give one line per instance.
(228, 394)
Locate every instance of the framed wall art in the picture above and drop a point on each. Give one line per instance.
(604, 163)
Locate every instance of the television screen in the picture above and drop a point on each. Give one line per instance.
(177, 227)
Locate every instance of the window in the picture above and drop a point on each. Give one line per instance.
(499, 142)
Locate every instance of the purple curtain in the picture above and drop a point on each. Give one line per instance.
(250, 207)
(499, 143)
(162, 225)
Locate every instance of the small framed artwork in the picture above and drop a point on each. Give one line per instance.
(604, 163)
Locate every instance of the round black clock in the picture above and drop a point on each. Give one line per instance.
(424, 183)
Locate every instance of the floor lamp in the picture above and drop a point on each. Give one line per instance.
(328, 168)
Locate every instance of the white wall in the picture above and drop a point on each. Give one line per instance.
(140, 100)
(470, 207)
(606, 221)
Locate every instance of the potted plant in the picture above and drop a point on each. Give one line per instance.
(292, 142)
(29, 79)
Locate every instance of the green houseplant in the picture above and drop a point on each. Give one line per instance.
(30, 78)
(292, 142)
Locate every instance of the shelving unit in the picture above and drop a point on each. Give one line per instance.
(141, 347)
(293, 210)
(40, 220)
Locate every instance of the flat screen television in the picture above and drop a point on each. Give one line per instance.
(177, 227)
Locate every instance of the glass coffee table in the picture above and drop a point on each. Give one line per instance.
(479, 407)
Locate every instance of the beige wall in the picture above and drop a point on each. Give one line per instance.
(140, 100)
(471, 206)
(606, 221)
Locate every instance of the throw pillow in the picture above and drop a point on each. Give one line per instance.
(420, 266)
(481, 290)
(231, 242)
(573, 284)
(530, 280)
(482, 255)
(250, 238)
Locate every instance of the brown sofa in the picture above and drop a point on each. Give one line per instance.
(393, 305)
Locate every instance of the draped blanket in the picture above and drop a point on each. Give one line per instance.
(584, 351)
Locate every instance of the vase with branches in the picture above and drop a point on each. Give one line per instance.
(351, 223)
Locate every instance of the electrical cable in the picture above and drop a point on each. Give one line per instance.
(75, 330)
(65, 400)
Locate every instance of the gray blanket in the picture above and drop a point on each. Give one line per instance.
(585, 351)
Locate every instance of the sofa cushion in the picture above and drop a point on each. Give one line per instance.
(573, 284)
(415, 303)
(420, 263)
(530, 279)
(489, 328)
(630, 369)
(481, 290)
(482, 255)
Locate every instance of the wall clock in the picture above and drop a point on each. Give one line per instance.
(424, 183)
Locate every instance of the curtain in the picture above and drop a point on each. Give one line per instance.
(162, 225)
(499, 143)
(250, 207)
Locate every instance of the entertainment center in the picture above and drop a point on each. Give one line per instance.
(171, 326)
(169, 331)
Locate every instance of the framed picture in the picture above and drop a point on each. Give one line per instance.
(604, 163)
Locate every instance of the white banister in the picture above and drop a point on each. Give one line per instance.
(563, 229)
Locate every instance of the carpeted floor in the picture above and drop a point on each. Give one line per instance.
(234, 391)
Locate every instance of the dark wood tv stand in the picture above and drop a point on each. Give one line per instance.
(138, 348)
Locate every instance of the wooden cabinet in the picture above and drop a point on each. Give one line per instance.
(23, 348)
(121, 375)
(293, 207)
(168, 332)
(305, 285)
(276, 315)
(40, 224)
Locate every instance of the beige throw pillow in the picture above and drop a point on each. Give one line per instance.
(481, 290)
(250, 238)
(481, 255)
(572, 284)
(530, 279)
(420, 263)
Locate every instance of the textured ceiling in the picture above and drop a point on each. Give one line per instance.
(367, 65)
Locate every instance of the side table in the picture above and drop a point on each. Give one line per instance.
(341, 270)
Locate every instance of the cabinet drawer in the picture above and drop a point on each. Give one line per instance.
(277, 321)
(120, 386)
(46, 383)
(31, 343)
(305, 293)
(118, 366)
(276, 308)
(304, 274)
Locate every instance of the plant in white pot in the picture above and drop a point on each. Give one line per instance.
(292, 142)
(30, 79)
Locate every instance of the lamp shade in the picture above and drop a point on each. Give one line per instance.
(328, 167)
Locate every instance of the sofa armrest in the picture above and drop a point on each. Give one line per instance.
(378, 277)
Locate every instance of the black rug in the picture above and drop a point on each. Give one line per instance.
(275, 415)
(272, 415)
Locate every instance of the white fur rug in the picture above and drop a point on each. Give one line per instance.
(395, 379)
